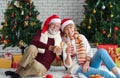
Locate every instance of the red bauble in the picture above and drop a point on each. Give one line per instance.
(12, 15)
(49, 76)
(103, 32)
(116, 28)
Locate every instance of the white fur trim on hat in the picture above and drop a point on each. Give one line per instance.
(55, 20)
(66, 23)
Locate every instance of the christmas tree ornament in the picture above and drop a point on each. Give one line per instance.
(103, 6)
(14, 27)
(15, 22)
(12, 15)
(22, 13)
(111, 15)
(25, 23)
(109, 35)
(89, 27)
(107, 20)
(111, 6)
(21, 43)
(103, 32)
(17, 4)
(94, 11)
(27, 17)
(116, 28)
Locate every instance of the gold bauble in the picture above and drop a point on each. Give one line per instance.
(94, 10)
(109, 35)
(89, 27)
(111, 15)
(111, 5)
(21, 43)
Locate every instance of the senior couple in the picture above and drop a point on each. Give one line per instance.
(74, 48)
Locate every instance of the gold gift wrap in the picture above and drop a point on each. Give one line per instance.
(5, 63)
(17, 58)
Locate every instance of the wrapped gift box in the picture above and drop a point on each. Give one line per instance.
(8, 55)
(17, 58)
(96, 76)
(15, 64)
(111, 49)
(5, 63)
(117, 60)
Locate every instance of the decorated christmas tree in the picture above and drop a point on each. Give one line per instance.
(20, 23)
(101, 22)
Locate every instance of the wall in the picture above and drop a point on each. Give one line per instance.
(64, 8)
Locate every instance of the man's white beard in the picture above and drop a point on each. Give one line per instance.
(52, 31)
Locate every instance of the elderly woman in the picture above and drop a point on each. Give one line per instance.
(77, 54)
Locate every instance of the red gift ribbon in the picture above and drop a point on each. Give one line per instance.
(8, 54)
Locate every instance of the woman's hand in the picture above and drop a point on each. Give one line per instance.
(85, 67)
(57, 49)
(68, 49)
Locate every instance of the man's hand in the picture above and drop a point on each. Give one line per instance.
(51, 48)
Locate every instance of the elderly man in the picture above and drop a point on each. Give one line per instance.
(41, 53)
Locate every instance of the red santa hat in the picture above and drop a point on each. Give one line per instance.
(65, 22)
(51, 19)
